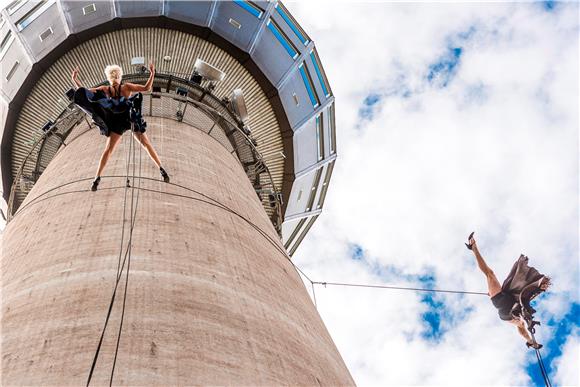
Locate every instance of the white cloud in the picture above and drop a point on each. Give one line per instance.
(496, 152)
(567, 365)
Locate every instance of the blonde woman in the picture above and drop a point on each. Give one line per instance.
(114, 108)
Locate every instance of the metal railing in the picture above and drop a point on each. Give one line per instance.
(200, 109)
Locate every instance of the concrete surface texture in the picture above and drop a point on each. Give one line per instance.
(211, 298)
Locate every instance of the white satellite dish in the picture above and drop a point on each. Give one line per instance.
(208, 71)
(239, 104)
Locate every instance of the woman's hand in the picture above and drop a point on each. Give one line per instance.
(74, 76)
(149, 85)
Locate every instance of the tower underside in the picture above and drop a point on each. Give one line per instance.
(211, 296)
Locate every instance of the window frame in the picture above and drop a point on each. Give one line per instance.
(33, 14)
(283, 39)
(307, 79)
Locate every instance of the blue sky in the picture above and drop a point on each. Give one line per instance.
(451, 117)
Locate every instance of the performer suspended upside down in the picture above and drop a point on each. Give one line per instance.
(523, 283)
(113, 110)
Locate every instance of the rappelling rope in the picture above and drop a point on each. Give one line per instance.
(133, 214)
(530, 323)
(119, 268)
(543, 368)
(126, 151)
(216, 203)
(395, 288)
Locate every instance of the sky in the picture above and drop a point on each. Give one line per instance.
(451, 118)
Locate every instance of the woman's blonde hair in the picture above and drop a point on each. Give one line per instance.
(114, 72)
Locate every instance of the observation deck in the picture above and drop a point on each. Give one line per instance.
(287, 146)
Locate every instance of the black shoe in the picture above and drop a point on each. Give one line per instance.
(534, 345)
(470, 245)
(96, 183)
(164, 174)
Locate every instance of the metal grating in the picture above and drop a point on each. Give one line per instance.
(119, 47)
(221, 127)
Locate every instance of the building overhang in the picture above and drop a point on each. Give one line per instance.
(262, 36)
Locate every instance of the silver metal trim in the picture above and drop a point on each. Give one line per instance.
(314, 167)
(45, 34)
(12, 71)
(87, 12)
(302, 215)
(235, 23)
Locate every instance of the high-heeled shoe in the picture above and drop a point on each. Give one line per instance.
(96, 183)
(164, 174)
(470, 245)
(534, 345)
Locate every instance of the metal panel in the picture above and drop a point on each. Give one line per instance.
(81, 16)
(236, 23)
(329, 130)
(6, 36)
(50, 20)
(305, 146)
(14, 69)
(194, 12)
(321, 91)
(271, 56)
(139, 8)
(288, 228)
(302, 233)
(301, 190)
(295, 99)
(3, 113)
(21, 7)
(289, 32)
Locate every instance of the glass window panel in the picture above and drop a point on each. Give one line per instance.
(283, 39)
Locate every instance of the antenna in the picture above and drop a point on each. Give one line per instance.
(238, 104)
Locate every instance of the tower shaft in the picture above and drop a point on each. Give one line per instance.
(211, 297)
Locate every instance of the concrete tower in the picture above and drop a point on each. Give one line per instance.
(152, 283)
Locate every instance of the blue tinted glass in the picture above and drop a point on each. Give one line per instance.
(291, 24)
(319, 73)
(289, 49)
(249, 7)
(308, 85)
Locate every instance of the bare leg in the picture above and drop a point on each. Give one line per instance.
(144, 140)
(522, 330)
(493, 285)
(112, 142)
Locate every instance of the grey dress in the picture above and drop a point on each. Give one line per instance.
(521, 285)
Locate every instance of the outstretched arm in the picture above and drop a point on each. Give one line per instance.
(148, 85)
(75, 79)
